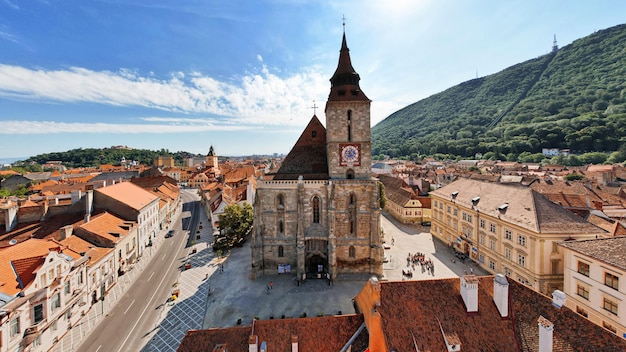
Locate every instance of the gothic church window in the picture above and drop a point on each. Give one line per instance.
(281, 252)
(281, 227)
(280, 200)
(352, 213)
(352, 252)
(349, 125)
(316, 210)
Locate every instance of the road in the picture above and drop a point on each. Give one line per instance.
(129, 325)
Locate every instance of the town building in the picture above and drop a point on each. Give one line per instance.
(595, 281)
(319, 215)
(42, 294)
(508, 228)
(134, 204)
(403, 203)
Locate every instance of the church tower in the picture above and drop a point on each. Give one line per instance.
(211, 159)
(348, 132)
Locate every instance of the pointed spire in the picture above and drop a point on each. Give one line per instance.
(345, 80)
(211, 151)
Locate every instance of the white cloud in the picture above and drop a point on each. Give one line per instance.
(8, 36)
(255, 98)
(12, 5)
(166, 126)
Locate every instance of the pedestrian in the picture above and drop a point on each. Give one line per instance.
(271, 285)
(472, 271)
(222, 268)
(267, 290)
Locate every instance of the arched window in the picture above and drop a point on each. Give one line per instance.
(349, 125)
(281, 227)
(316, 210)
(280, 200)
(352, 252)
(281, 252)
(350, 174)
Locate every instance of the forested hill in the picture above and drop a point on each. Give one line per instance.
(571, 98)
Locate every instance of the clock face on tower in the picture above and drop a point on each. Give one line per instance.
(350, 154)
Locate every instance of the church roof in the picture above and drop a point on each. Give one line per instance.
(308, 157)
(211, 151)
(345, 80)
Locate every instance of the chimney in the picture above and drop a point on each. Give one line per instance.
(558, 298)
(469, 292)
(501, 294)
(76, 195)
(10, 216)
(294, 343)
(253, 343)
(66, 231)
(88, 205)
(545, 334)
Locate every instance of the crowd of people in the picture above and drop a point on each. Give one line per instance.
(418, 259)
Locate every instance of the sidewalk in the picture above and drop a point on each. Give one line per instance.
(187, 311)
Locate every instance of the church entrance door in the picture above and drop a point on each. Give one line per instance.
(316, 264)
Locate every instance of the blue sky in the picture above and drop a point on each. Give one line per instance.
(242, 75)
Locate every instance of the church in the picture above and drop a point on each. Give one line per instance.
(318, 216)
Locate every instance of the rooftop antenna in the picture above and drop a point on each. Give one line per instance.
(555, 47)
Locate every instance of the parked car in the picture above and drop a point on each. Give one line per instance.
(169, 234)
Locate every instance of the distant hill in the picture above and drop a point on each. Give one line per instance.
(94, 157)
(574, 98)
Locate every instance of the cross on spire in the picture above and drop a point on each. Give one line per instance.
(343, 19)
(314, 108)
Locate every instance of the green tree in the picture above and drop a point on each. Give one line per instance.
(593, 158)
(573, 177)
(236, 220)
(382, 197)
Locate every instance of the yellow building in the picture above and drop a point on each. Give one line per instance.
(594, 283)
(508, 229)
(403, 203)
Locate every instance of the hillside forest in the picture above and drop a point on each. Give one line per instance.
(572, 98)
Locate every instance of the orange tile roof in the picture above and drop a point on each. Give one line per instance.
(76, 247)
(105, 225)
(129, 194)
(25, 257)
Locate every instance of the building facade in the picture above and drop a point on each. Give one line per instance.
(508, 229)
(594, 281)
(319, 214)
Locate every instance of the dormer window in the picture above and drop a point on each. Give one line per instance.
(475, 200)
(454, 194)
(503, 207)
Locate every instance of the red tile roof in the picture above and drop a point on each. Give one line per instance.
(328, 333)
(423, 309)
